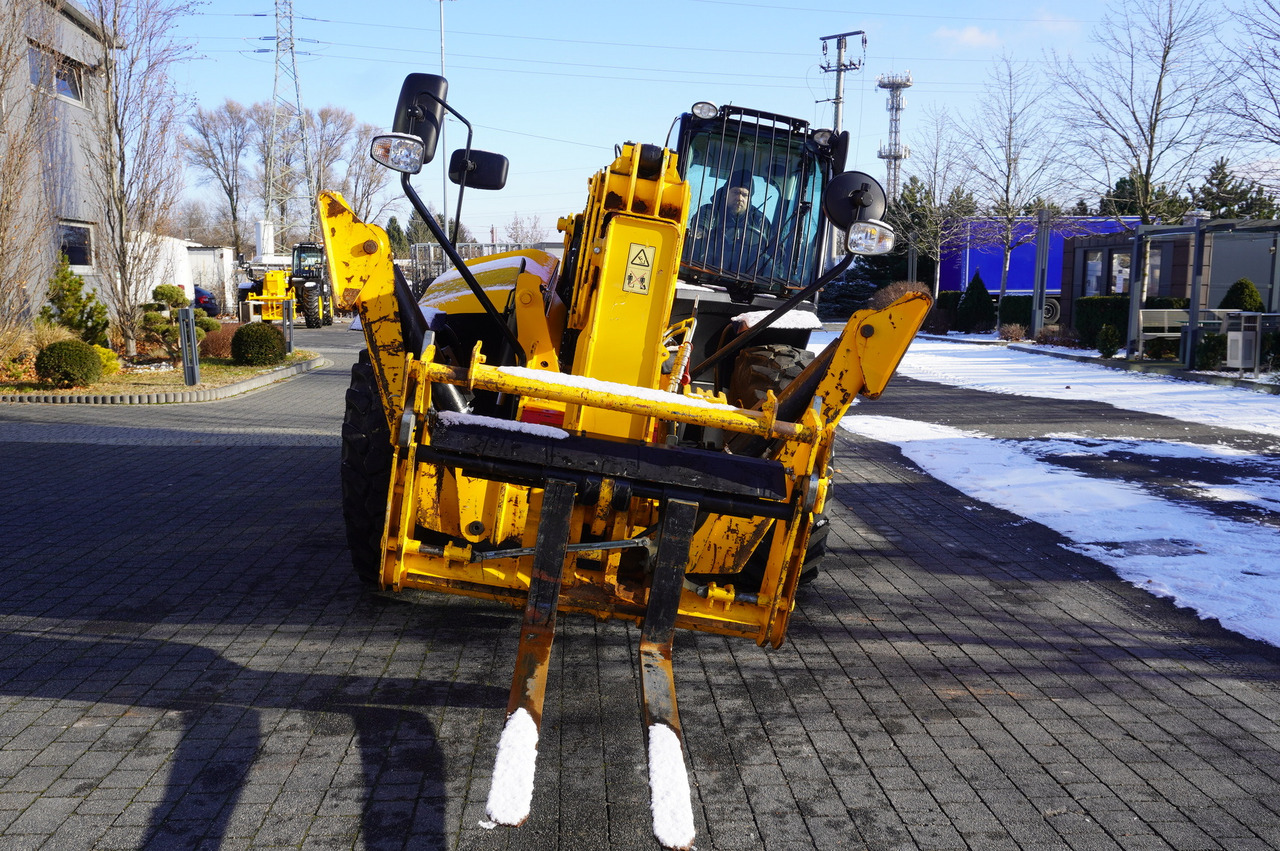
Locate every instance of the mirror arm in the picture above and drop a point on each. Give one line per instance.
(751, 333)
(448, 247)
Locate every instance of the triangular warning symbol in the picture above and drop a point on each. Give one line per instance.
(641, 258)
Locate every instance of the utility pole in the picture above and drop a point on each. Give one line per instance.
(840, 67)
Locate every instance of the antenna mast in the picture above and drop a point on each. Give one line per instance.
(895, 152)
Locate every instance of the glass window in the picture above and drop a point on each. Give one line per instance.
(1120, 271)
(1092, 283)
(76, 241)
(774, 240)
(58, 72)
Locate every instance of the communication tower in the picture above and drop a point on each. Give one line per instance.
(290, 177)
(895, 152)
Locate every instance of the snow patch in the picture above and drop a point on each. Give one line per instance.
(669, 789)
(457, 418)
(801, 320)
(1220, 567)
(512, 791)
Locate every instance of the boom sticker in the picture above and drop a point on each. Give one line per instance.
(639, 268)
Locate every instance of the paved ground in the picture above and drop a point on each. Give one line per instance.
(186, 661)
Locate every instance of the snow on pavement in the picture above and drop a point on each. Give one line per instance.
(1223, 568)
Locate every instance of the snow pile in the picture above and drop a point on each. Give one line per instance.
(669, 789)
(1223, 568)
(791, 320)
(512, 791)
(456, 418)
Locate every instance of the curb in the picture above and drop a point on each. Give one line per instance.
(1167, 370)
(171, 397)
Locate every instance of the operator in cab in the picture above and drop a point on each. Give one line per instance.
(729, 232)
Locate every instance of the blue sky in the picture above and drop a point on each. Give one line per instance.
(555, 86)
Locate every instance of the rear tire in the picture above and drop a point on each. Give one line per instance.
(326, 305)
(366, 471)
(759, 369)
(311, 306)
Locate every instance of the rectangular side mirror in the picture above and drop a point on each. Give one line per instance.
(420, 110)
(482, 169)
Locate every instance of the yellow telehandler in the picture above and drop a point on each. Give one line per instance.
(611, 433)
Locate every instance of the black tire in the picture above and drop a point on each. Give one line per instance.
(310, 304)
(759, 369)
(817, 549)
(366, 471)
(326, 305)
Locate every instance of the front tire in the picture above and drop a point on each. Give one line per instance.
(311, 306)
(366, 471)
(759, 369)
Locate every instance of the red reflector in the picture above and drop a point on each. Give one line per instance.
(543, 416)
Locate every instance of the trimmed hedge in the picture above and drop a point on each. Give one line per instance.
(69, 363)
(258, 344)
(1243, 295)
(1092, 312)
(1164, 302)
(1016, 310)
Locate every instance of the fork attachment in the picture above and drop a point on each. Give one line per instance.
(668, 780)
(511, 792)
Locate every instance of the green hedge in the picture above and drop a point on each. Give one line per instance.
(1164, 302)
(69, 363)
(1092, 312)
(1016, 310)
(258, 344)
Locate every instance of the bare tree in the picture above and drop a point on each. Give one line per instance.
(216, 142)
(330, 129)
(1253, 93)
(1009, 155)
(525, 230)
(365, 181)
(1143, 107)
(26, 208)
(133, 148)
(932, 211)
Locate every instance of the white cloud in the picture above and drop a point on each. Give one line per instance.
(970, 36)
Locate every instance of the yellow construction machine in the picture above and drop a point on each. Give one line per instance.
(534, 430)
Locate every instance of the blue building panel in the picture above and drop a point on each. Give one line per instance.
(975, 254)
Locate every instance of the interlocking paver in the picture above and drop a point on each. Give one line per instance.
(187, 661)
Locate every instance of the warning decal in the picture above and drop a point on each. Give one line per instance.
(639, 268)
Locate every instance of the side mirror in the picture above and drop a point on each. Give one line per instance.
(420, 110)
(853, 196)
(480, 170)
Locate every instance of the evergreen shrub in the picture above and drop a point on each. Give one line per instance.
(110, 363)
(68, 363)
(1212, 351)
(1243, 295)
(1108, 341)
(257, 344)
(975, 314)
(1092, 312)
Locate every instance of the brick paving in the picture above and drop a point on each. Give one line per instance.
(186, 661)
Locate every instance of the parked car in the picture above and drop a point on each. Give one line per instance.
(206, 302)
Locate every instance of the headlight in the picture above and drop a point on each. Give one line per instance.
(871, 237)
(822, 137)
(704, 109)
(400, 151)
